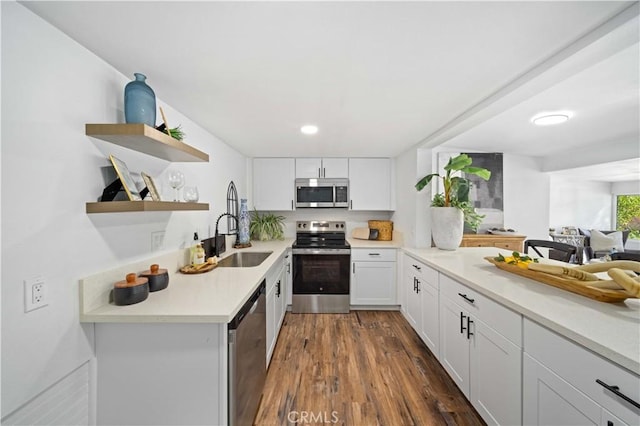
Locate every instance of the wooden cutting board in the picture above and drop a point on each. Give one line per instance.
(568, 284)
(190, 269)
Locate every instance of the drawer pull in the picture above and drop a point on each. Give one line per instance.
(417, 267)
(465, 297)
(616, 390)
(374, 254)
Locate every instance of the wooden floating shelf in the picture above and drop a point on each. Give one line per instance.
(143, 206)
(146, 139)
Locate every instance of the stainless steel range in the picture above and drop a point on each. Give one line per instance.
(321, 268)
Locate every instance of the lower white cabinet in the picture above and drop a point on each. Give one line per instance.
(484, 363)
(421, 301)
(565, 383)
(373, 277)
(276, 304)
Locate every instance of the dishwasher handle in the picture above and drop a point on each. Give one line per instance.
(249, 306)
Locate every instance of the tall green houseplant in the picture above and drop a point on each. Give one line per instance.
(456, 187)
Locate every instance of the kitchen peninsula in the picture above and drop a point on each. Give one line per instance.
(136, 345)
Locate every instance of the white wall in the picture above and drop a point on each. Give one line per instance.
(51, 87)
(626, 188)
(585, 204)
(404, 217)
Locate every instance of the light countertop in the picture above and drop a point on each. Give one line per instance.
(212, 297)
(611, 330)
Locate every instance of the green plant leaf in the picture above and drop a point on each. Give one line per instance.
(478, 171)
(425, 181)
(458, 163)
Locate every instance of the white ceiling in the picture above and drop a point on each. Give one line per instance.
(376, 77)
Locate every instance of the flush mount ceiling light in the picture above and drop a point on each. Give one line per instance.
(551, 118)
(309, 129)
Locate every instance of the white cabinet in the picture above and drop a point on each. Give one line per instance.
(370, 184)
(565, 383)
(289, 278)
(273, 183)
(373, 277)
(422, 301)
(322, 168)
(480, 349)
(276, 303)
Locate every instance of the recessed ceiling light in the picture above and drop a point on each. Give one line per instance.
(551, 118)
(309, 129)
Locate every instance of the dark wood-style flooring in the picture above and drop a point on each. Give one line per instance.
(358, 369)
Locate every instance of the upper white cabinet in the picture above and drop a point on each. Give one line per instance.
(370, 184)
(322, 168)
(273, 183)
(373, 277)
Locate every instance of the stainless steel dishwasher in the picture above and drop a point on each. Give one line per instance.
(247, 358)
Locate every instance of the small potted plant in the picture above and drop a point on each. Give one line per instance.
(451, 209)
(266, 226)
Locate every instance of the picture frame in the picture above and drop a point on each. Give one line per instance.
(151, 186)
(127, 181)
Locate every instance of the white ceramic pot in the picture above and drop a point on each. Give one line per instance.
(447, 225)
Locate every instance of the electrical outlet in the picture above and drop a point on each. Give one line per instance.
(157, 240)
(35, 293)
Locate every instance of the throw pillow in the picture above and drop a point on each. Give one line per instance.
(602, 242)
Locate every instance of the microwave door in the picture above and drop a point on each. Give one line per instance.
(314, 196)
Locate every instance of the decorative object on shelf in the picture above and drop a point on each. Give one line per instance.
(132, 290)
(175, 178)
(125, 180)
(384, 227)
(232, 208)
(139, 102)
(158, 278)
(267, 226)
(190, 194)
(451, 209)
(621, 287)
(177, 133)
(151, 187)
(243, 226)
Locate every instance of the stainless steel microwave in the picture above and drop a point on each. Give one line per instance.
(323, 192)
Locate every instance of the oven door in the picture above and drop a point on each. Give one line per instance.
(322, 271)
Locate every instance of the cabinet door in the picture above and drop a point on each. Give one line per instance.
(288, 282)
(454, 344)
(495, 376)
(430, 321)
(373, 283)
(281, 299)
(370, 183)
(609, 419)
(549, 400)
(271, 321)
(335, 167)
(308, 167)
(411, 307)
(273, 182)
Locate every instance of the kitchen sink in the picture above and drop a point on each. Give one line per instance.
(244, 259)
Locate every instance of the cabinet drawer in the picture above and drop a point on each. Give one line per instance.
(421, 271)
(503, 320)
(509, 245)
(364, 255)
(581, 368)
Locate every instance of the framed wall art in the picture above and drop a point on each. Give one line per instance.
(151, 186)
(127, 181)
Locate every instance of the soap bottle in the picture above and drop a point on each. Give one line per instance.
(198, 258)
(192, 250)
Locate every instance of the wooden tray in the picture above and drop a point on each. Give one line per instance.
(569, 284)
(188, 269)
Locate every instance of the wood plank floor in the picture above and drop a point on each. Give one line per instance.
(358, 369)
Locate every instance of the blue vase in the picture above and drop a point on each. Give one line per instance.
(243, 231)
(139, 102)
